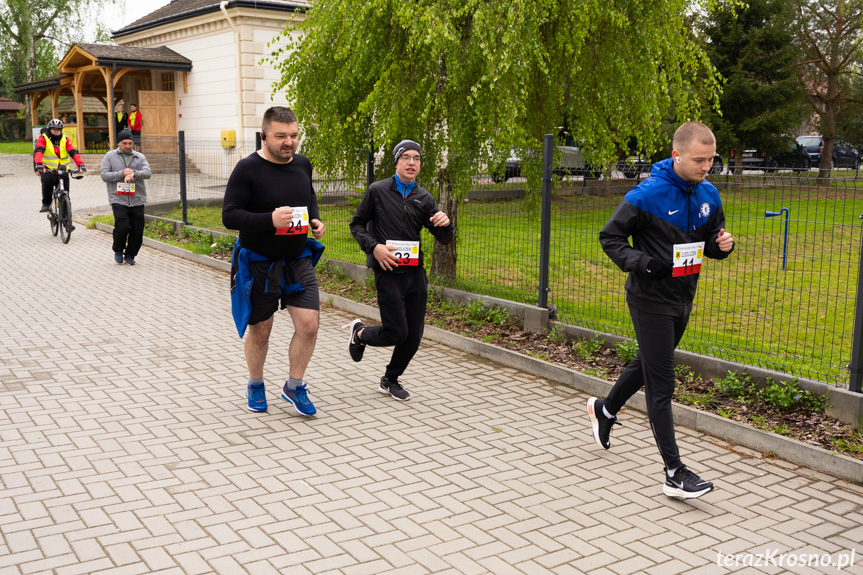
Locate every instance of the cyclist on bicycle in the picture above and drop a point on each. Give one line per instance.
(53, 150)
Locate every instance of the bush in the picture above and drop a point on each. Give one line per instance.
(225, 243)
(787, 396)
(557, 335)
(479, 313)
(627, 350)
(587, 348)
(734, 386)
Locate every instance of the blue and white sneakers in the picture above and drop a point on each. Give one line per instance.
(300, 399)
(257, 396)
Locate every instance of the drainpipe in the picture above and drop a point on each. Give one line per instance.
(222, 7)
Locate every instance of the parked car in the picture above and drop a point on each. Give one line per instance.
(844, 156)
(635, 165)
(571, 164)
(794, 157)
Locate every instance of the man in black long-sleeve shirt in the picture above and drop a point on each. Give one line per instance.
(270, 200)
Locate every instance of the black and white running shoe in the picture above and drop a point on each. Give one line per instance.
(355, 347)
(601, 424)
(392, 387)
(685, 484)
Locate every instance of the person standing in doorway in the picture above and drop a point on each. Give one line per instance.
(397, 209)
(675, 219)
(270, 200)
(136, 122)
(121, 120)
(124, 171)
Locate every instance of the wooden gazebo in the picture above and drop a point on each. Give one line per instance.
(96, 70)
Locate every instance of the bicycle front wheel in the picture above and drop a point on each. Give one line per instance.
(65, 219)
(53, 219)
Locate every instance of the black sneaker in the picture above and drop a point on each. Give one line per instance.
(601, 424)
(44, 208)
(118, 257)
(685, 484)
(355, 347)
(394, 388)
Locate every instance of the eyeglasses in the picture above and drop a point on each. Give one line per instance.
(411, 159)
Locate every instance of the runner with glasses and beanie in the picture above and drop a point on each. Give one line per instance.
(387, 226)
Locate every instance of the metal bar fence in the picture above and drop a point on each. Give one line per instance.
(799, 321)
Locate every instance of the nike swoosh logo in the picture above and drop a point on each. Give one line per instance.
(670, 213)
(678, 485)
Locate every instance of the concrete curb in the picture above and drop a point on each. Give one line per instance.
(790, 450)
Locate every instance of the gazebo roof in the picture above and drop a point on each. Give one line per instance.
(7, 105)
(162, 58)
(179, 10)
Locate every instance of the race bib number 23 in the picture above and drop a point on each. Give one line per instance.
(687, 259)
(406, 253)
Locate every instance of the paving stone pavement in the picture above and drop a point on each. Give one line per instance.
(125, 446)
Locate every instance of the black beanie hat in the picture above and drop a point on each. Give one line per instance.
(403, 147)
(124, 135)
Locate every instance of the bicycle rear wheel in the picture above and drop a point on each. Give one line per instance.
(65, 219)
(53, 219)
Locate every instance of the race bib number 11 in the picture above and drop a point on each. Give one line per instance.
(687, 259)
(299, 224)
(406, 253)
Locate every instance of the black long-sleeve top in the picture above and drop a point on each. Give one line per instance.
(256, 188)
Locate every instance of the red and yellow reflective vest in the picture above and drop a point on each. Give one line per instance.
(49, 156)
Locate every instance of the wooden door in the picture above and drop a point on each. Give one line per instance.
(159, 132)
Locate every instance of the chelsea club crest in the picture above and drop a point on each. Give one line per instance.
(705, 210)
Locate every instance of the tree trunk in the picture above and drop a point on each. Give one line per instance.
(828, 126)
(444, 257)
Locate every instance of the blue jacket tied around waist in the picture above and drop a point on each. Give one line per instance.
(241, 279)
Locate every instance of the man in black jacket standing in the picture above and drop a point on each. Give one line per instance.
(675, 219)
(387, 226)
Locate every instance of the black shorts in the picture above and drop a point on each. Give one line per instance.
(266, 295)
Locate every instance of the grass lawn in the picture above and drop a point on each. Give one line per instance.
(16, 147)
(798, 321)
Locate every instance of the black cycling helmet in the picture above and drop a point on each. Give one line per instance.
(55, 123)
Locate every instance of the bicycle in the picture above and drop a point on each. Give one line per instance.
(60, 211)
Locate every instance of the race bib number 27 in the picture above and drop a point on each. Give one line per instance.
(406, 253)
(299, 224)
(687, 259)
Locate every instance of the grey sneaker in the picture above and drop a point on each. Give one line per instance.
(394, 388)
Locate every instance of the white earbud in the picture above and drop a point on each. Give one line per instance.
(678, 159)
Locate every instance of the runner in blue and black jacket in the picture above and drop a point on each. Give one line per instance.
(675, 219)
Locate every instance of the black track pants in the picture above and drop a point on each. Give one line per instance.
(402, 299)
(653, 369)
(128, 229)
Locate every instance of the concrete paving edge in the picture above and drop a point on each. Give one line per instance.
(790, 450)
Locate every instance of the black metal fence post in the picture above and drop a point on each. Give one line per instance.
(545, 220)
(181, 144)
(370, 165)
(855, 383)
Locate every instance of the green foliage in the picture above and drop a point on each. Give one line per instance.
(587, 348)
(486, 75)
(198, 236)
(733, 385)
(695, 398)
(557, 335)
(685, 375)
(752, 46)
(788, 395)
(160, 228)
(481, 313)
(225, 243)
(627, 350)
